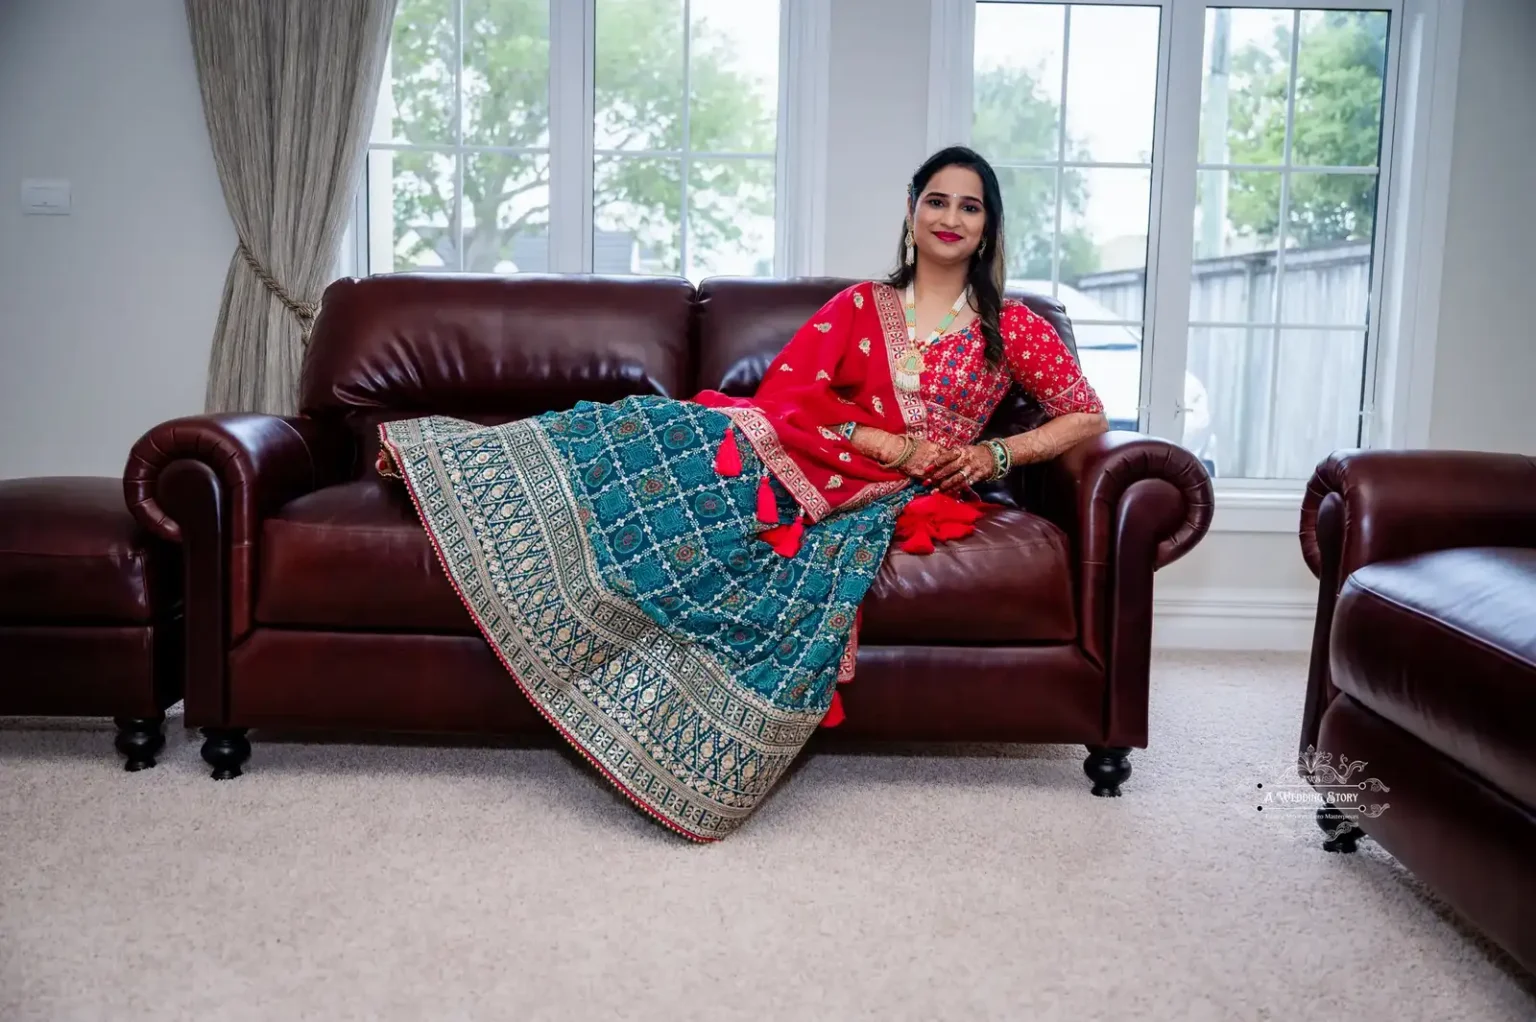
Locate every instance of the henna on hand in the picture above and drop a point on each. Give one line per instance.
(970, 465)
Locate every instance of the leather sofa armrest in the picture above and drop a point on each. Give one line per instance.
(1130, 504)
(261, 461)
(223, 474)
(1401, 503)
(1081, 489)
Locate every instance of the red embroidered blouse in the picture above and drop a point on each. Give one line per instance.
(962, 390)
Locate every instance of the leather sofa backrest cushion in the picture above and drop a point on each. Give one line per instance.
(743, 323)
(493, 348)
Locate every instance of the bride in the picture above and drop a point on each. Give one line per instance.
(675, 584)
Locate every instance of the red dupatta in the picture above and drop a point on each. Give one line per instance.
(835, 370)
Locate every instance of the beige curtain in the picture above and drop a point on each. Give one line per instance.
(289, 88)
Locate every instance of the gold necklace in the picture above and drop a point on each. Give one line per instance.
(909, 368)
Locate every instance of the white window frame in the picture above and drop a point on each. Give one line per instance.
(805, 28)
(1413, 173)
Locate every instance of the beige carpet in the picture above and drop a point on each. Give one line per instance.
(344, 881)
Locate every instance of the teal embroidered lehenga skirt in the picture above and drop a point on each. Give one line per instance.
(622, 582)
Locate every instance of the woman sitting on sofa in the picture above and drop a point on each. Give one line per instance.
(676, 584)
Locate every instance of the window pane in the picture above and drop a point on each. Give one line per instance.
(1271, 404)
(1112, 83)
(730, 218)
(1017, 84)
(506, 213)
(1237, 216)
(506, 73)
(734, 76)
(423, 209)
(637, 215)
(1340, 64)
(418, 83)
(423, 195)
(1247, 71)
(1328, 249)
(1029, 224)
(638, 81)
(1110, 354)
(1104, 225)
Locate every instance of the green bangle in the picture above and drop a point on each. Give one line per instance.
(1002, 458)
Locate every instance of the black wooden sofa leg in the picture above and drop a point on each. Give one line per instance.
(225, 749)
(1343, 836)
(140, 739)
(1108, 767)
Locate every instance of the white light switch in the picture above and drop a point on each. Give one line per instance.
(45, 196)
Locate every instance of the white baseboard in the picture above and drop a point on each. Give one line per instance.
(1253, 619)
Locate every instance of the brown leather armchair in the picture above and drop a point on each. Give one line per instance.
(315, 600)
(1424, 668)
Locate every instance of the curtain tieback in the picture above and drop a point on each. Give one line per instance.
(304, 312)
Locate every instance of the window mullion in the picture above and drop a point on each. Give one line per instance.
(682, 222)
(457, 220)
(1061, 149)
(1176, 155)
(571, 44)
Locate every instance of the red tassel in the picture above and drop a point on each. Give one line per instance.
(728, 458)
(835, 715)
(796, 533)
(785, 539)
(767, 506)
(920, 543)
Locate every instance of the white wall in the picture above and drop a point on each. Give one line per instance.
(106, 314)
(1485, 359)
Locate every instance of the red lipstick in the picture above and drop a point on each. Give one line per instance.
(946, 236)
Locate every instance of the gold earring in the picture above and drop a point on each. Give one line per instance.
(911, 257)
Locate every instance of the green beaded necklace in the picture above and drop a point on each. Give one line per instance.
(909, 369)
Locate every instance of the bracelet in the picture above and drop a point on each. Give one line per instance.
(909, 445)
(1002, 458)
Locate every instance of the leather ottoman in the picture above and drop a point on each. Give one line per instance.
(90, 613)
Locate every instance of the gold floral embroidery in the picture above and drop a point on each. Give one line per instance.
(824, 431)
(786, 368)
(834, 482)
(821, 374)
(844, 456)
(879, 406)
(864, 346)
(823, 327)
(858, 300)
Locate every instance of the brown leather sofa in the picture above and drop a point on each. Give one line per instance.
(1424, 668)
(315, 600)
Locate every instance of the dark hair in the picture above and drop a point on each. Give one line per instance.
(988, 263)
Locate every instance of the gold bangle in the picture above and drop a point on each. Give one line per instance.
(909, 445)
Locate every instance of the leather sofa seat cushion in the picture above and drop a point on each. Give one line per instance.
(1444, 646)
(1008, 582)
(355, 557)
(71, 553)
